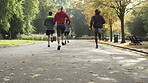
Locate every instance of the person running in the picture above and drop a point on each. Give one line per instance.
(59, 18)
(67, 31)
(49, 23)
(97, 22)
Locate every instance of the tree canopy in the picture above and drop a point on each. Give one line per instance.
(27, 16)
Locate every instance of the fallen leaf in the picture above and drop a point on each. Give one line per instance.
(12, 74)
(95, 75)
(36, 75)
(129, 69)
(12, 69)
(6, 66)
(23, 61)
(109, 68)
(33, 54)
(1, 70)
(6, 78)
(59, 78)
(21, 68)
(91, 72)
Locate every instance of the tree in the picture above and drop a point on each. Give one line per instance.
(44, 7)
(30, 11)
(108, 13)
(78, 20)
(9, 9)
(138, 25)
(121, 7)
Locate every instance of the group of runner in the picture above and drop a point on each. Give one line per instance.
(62, 20)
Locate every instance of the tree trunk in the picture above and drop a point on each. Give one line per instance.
(111, 32)
(122, 29)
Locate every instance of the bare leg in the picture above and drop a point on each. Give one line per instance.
(51, 37)
(96, 37)
(68, 38)
(99, 35)
(58, 38)
(63, 37)
(48, 40)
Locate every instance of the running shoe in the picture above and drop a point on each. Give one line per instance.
(51, 39)
(63, 43)
(58, 47)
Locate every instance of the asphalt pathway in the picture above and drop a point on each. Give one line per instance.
(77, 62)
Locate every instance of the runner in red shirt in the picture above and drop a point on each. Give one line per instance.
(60, 18)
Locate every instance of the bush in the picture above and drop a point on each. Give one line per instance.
(41, 37)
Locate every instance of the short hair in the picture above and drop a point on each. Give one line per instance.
(50, 13)
(97, 12)
(60, 8)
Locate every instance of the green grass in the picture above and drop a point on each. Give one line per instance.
(16, 42)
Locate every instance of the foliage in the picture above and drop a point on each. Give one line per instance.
(139, 24)
(9, 8)
(136, 27)
(16, 16)
(78, 22)
(44, 7)
(32, 37)
(30, 11)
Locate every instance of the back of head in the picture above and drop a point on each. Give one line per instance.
(97, 12)
(50, 13)
(60, 8)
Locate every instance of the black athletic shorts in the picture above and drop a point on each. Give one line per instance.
(49, 32)
(60, 29)
(66, 33)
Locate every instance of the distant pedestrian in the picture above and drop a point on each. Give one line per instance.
(67, 31)
(60, 18)
(49, 23)
(97, 22)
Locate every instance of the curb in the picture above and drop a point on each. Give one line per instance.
(131, 49)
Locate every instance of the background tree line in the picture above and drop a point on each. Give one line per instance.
(27, 16)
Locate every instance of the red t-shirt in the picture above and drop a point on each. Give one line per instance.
(60, 17)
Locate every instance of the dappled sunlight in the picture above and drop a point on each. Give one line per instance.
(107, 79)
(97, 60)
(118, 57)
(130, 62)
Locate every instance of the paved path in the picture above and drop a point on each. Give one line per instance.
(77, 62)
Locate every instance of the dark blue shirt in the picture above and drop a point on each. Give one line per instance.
(49, 23)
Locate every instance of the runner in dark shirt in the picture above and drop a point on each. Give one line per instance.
(97, 22)
(67, 31)
(49, 23)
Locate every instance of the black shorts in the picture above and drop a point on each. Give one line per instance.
(66, 33)
(49, 32)
(60, 29)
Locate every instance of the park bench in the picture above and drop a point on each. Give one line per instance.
(134, 40)
(105, 39)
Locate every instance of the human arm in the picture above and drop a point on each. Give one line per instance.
(45, 22)
(68, 18)
(91, 23)
(103, 21)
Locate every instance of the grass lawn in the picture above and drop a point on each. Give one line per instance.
(16, 42)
